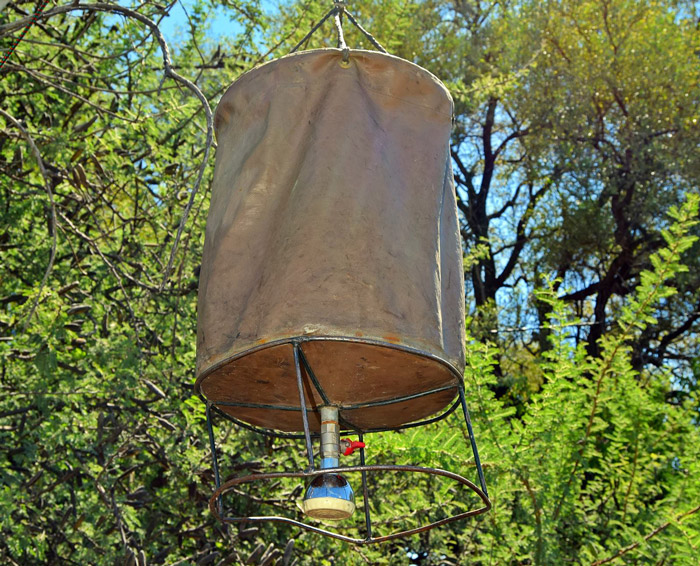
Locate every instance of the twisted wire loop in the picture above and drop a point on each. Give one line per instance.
(338, 20)
(337, 12)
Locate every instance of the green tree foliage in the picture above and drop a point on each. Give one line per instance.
(575, 131)
(99, 153)
(575, 145)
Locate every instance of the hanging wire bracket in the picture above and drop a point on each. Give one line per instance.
(216, 502)
(337, 12)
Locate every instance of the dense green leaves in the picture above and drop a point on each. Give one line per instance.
(575, 145)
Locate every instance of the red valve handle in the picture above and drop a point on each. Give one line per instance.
(351, 446)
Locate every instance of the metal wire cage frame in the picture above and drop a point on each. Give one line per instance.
(216, 501)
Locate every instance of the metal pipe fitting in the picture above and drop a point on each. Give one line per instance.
(329, 496)
(330, 437)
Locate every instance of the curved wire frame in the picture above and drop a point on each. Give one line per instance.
(369, 539)
(216, 501)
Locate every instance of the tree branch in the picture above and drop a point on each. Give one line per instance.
(170, 72)
(656, 531)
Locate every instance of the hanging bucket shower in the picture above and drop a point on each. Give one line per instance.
(331, 290)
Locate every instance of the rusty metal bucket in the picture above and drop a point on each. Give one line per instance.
(332, 233)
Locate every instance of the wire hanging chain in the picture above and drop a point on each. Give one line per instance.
(337, 11)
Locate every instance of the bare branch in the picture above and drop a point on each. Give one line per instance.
(656, 531)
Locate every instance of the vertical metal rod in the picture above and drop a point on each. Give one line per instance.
(317, 386)
(302, 401)
(477, 460)
(214, 457)
(312, 376)
(365, 493)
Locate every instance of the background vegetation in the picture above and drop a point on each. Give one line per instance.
(575, 152)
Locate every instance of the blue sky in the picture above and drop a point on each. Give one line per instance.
(173, 25)
(220, 25)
